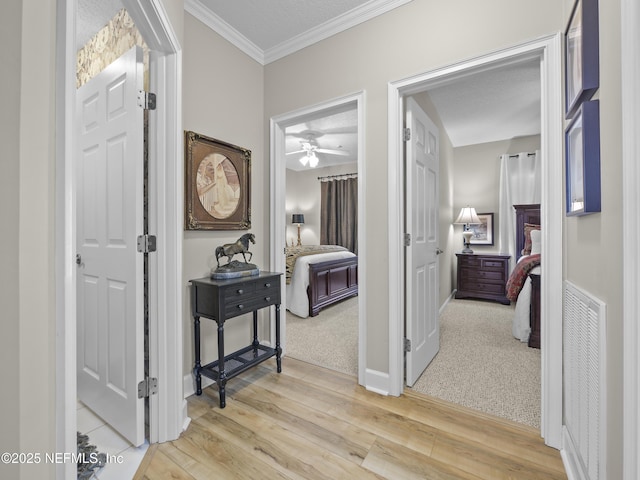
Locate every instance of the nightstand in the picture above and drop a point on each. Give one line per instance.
(483, 276)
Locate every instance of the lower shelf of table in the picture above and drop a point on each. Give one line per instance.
(237, 362)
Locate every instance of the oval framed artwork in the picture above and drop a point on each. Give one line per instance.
(217, 184)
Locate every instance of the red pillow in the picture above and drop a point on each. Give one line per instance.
(527, 237)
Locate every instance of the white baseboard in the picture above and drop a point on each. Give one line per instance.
(446, 302)
(570, 458)
(377, 382)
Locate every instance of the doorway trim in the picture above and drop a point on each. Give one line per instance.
(630, 55)
(278, 125)
(167, 408)
(548, 50)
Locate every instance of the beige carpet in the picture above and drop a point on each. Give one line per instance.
(480, 365)
(327, 340)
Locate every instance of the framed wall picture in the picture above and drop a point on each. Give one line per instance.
(483, 233)
(582, 67)
(218, 179)
(582, 142)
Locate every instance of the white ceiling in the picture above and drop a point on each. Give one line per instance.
(91, 16)
(494, 105)
(498, 104)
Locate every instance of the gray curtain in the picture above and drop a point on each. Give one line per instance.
(339, 213)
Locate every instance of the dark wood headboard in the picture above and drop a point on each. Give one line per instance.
(525, 214)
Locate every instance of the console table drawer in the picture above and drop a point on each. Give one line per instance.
(248, 302)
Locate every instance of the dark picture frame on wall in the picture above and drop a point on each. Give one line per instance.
(483, 233)
(217, 184)
(582, 64)
(582, 143)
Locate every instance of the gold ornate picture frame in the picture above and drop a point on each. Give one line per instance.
(218, 184)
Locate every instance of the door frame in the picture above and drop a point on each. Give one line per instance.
(548, 50)
(168, 409)
(630, 62)
(277, 235)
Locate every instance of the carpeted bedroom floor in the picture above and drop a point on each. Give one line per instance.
(480, 365)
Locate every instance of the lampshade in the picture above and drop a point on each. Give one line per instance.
(468, 216)
(310, 158)
(313, 160)
(297, 218)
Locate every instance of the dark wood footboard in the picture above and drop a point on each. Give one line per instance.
(330, 282)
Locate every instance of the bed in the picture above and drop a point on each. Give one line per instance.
(523, 286)
(319, 276)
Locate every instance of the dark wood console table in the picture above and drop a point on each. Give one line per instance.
(220, 300)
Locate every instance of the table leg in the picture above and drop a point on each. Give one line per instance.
(197, 367)
(222, 374)
(278, 348)
(255, 330)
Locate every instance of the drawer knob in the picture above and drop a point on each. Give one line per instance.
(267, 285)
(267, 299)
(240, 291)
(240, 307)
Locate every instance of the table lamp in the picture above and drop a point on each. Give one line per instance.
(298, 219)
(467, 217)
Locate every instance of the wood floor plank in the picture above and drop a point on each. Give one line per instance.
(391, 460)
(341, 438)
(312, 423)
(488, 464)
(504, 436)
(162, 468)
(206, 453)
(283, 449)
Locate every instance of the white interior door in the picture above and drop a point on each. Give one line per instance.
(110, 294)
(421, 185)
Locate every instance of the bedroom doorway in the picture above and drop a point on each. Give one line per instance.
(309, 147)
(548, 51)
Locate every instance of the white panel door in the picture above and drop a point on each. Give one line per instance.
(421, 185)
(110, 288)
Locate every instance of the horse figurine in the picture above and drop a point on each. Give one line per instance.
(240, 246)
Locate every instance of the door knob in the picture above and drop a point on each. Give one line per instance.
(438, 251)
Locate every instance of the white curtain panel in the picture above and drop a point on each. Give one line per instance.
(520, 184)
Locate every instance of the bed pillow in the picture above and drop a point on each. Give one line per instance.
(528, 228)
(536, 241)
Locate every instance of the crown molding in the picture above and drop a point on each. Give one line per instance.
(334, 26)
(218, 25)
(339, 24)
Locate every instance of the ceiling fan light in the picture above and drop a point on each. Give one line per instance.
(304, 159)
(313, 160)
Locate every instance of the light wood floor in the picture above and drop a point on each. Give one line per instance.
(313, 423)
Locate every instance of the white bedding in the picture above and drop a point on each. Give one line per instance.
(296, 293)
(521, 328)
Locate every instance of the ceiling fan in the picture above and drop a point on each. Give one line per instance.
(310, 148)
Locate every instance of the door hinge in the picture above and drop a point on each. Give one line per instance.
(407, 345)
(147, 100)
(406, 134)
(407, 239)
(147, 387)
(146, 243)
